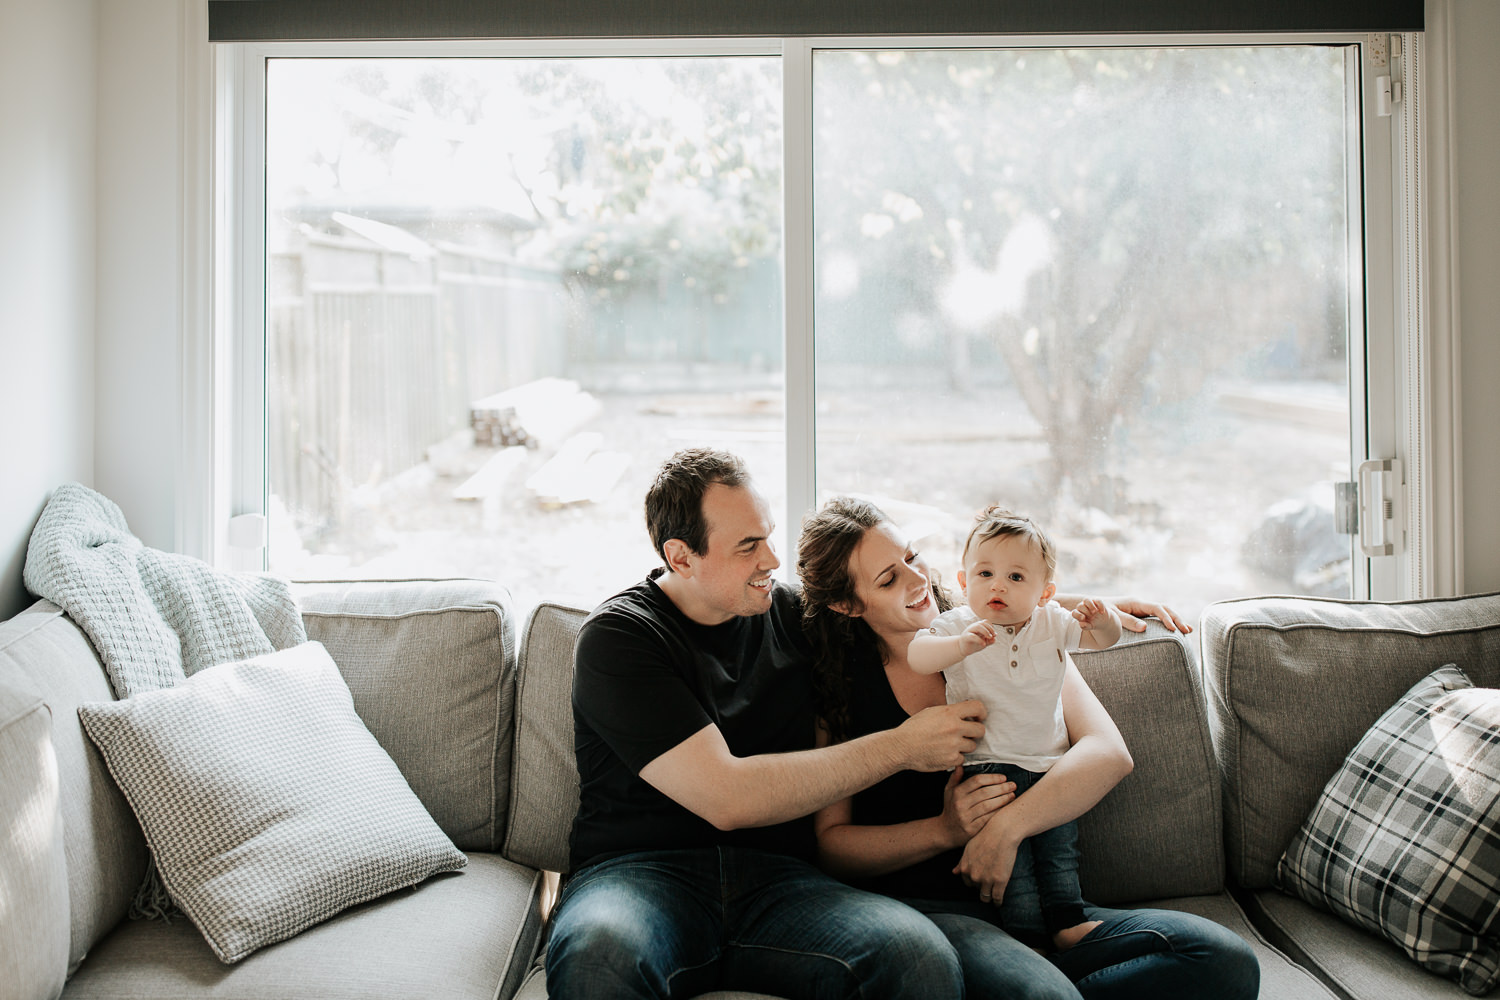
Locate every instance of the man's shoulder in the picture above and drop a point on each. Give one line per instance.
(643, 596)
(641, 607)
(786, 599)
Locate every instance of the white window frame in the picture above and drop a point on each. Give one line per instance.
(1390, 381)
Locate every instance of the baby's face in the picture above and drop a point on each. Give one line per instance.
(1005, 579)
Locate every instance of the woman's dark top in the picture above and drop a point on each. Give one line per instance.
(901, 798)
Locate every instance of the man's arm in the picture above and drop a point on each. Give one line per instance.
(703, 776)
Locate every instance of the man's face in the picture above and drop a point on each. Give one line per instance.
(733, 576)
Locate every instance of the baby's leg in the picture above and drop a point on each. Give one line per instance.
(1055, 861)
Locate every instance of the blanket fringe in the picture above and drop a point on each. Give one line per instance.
(152, 900)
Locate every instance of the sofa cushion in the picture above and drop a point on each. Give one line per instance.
(1280, 979)
(267, 804)
(1355, 962)
(1272, 664)
(43, 652)
(431, 666)
(34, 877)
(1404, 839)
(466, 935)
(544, 794)
(1158, 833)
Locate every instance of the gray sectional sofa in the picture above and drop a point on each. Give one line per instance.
(1231, 748)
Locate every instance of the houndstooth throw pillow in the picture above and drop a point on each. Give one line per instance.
(266, 803)
(1405, 839)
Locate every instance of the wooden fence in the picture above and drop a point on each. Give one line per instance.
(373, 356)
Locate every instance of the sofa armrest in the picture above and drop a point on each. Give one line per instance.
(431, 665)
(1294, 682)
(34, 932)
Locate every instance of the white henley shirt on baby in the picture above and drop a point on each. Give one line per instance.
(1019, 678)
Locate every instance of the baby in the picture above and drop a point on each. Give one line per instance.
(1008, 647)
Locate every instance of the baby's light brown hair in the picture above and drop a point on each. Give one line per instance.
(997, 522)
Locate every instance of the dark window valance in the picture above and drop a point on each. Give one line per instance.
(331, 20)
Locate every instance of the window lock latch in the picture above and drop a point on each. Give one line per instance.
(1373, 507)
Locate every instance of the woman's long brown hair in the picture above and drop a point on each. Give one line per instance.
(839, 641)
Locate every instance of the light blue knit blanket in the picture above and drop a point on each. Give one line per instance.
(155, 617)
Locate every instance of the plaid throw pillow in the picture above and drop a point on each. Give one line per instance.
(266, 803)
(1404, 839)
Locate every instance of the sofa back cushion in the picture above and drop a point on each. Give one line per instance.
(34, 929)
(43, 654)
(431, 666)
(1295, 682)
(1158, 833)
(544, 792)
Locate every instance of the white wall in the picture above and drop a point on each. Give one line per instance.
(47, 218)
(140, 294)
(1476, 182)
(124, 439)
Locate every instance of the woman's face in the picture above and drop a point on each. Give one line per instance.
(892, 583)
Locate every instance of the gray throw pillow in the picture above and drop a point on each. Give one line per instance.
(266, 803)
(1404, 839)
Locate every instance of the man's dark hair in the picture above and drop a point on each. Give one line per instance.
(674, 503)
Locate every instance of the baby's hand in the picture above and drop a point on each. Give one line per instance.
(1091, 613)
(976, 637)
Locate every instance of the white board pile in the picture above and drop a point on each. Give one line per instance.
(580, 472)
(537, 414)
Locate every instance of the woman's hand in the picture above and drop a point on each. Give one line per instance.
(988, 860)
(968, 803)
(1133, 610)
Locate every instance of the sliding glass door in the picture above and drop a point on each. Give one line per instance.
(1116, 287)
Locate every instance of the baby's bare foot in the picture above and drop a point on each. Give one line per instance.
(1069, 936)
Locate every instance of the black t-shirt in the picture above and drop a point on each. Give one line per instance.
(646, 678)
(901, 798)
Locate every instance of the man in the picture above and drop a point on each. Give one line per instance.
(694, 734)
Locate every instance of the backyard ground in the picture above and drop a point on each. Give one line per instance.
(1192, 491)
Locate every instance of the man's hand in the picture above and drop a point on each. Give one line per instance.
(936, 739)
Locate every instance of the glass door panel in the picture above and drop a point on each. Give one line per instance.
(500, 292)
(1108, 288)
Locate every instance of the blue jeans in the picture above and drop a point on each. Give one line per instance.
(1131, 955)
(679, 923)
(1046, 863)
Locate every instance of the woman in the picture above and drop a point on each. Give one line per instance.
(865, 594)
